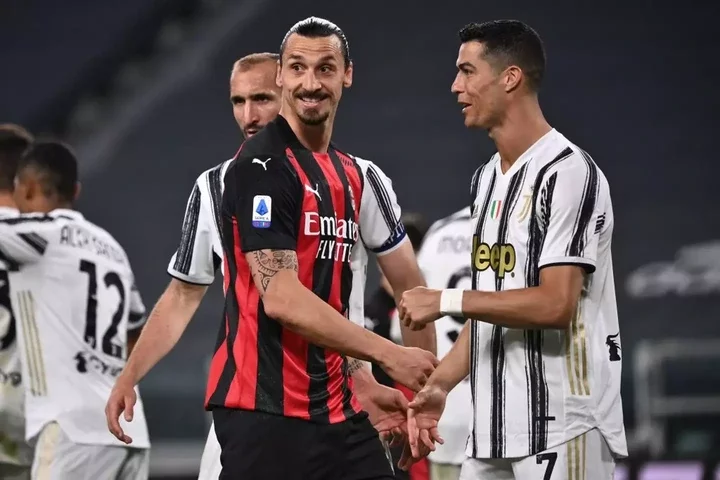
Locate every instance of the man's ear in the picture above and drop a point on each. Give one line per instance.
(78, 188)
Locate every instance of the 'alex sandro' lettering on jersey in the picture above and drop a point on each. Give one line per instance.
(338, 235)
(77, 237)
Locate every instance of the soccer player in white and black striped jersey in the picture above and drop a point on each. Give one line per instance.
(545, 384)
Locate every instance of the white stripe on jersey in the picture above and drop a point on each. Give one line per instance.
(73, 295)
(443, 260)
(535, 389)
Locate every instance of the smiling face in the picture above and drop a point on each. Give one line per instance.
(312, 77)
(480, 89)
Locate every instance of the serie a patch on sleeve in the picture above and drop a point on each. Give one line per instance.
(262, 211)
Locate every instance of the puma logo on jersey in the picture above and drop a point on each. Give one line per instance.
(308, 188)
(260, 162)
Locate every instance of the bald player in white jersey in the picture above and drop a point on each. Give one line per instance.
(255, 99)
(542, 343)
(15, 452)
(73, 292)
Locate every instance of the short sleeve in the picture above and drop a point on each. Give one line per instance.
(380, 225)
(137, 314)
(193, 261)
(264, 198)
(567, 208)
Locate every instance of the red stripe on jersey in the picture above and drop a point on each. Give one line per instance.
(242, 390)
(217, 364)
(333, 359)
(296, 382)
(353, 175)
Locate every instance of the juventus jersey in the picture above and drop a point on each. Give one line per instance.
(443, 260)
(536, 389)
(200, 252)
(74, 297)
(13, 447)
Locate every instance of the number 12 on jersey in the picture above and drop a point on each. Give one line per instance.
(110, 280)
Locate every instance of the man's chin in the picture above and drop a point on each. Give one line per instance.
(313, 119)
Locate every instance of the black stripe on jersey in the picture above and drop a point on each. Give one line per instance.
(11, 265)
(346, 283)
(383, 198)
(538, 404)
(474, 352)
(30, 219)
(214, 184)
(587, 207)
(322, 286)
(37, 242)
(183, 259)
(474, 184)
(497, 422)
(228, 330)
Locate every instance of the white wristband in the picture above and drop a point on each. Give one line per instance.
(451, 302)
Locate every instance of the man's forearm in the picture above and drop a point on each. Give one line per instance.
(164, 327)
(528, 308)
(455, 366)
(300, 310)
(402, 273)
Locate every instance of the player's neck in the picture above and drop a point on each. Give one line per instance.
(315, 138)
(6, 200)
(523, 125)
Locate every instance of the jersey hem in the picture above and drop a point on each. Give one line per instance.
(585, 263)
(188, 279)
(384, 250)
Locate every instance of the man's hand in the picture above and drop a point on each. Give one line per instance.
(386, 408)
(419, 307)
(424, 413)
(410, 366)
(122, 399)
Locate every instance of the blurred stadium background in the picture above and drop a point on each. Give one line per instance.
(140, 89)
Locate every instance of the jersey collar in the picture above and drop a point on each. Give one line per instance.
(66, 212)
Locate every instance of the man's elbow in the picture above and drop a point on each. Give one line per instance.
(559, 314)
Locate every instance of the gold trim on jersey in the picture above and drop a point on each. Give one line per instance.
(576, 353)
(576, 458)
(33, 348)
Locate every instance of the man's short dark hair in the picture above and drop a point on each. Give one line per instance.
(510, 42)
(314, 27)
(14, 141)
(416, 227)
(55, 162)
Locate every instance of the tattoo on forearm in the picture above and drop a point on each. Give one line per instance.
(354, 365)
(267, 263)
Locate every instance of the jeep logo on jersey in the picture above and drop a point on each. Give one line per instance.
(498, 257)
(335, 230)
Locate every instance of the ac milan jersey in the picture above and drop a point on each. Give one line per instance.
(443, 260)
(536, 389)
(74, 298)
(13, 447)
(281, 196)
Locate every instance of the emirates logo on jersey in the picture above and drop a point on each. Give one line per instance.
(339, 235)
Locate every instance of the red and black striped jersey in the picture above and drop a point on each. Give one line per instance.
(281, 196)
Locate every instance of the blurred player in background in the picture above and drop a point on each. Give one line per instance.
(443, 259)
(255, 99)
(545, 389)
(15, 453)
(381, 317)
(78, 312)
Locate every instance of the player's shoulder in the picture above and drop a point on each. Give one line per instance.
(561, 154)
(102, 241)
(9, 212)
(453, 221)
(218, 170)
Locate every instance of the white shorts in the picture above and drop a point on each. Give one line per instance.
(586, 457)
(59, 458)
(210, 466)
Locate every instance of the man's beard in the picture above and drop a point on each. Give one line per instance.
(313, 119)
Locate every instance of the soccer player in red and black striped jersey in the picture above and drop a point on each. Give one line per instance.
(279, 386)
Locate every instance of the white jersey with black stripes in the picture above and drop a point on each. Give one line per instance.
(74, 297)
(536, 389)
(200, 253)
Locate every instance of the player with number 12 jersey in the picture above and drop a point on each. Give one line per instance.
(74, 299)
